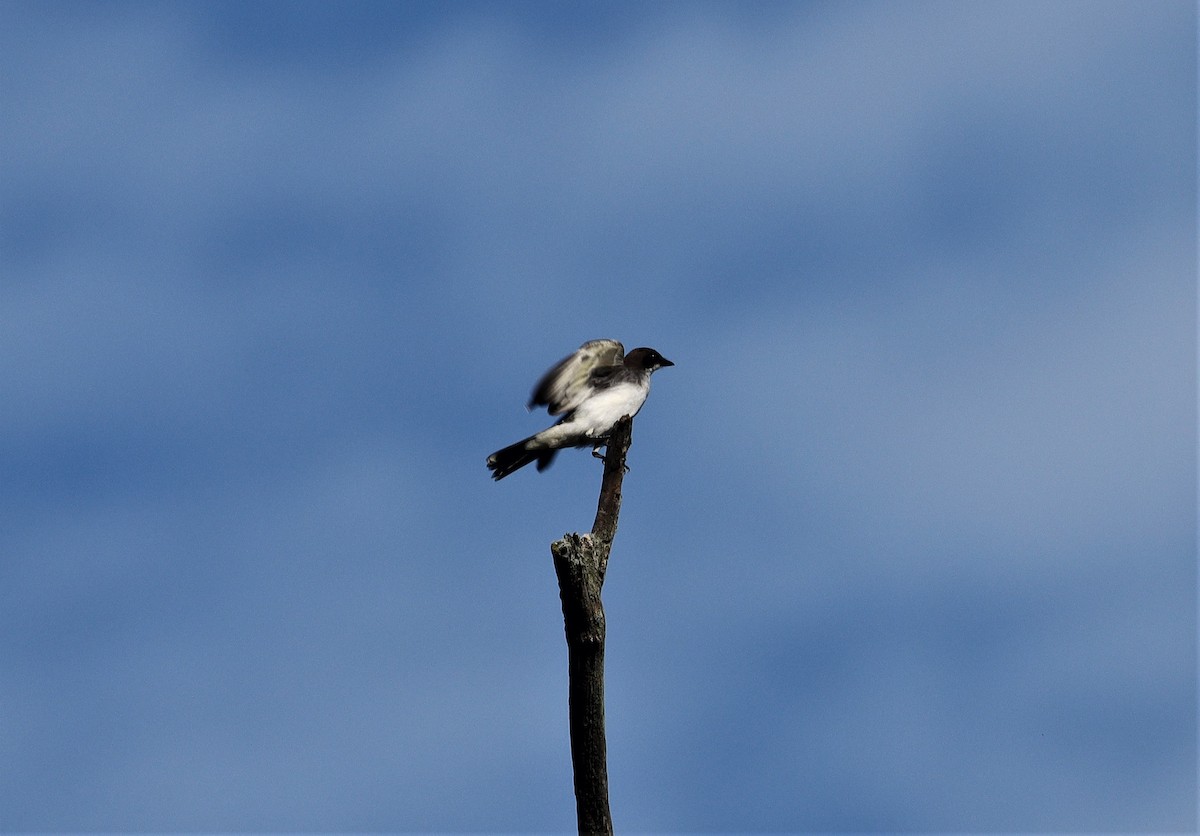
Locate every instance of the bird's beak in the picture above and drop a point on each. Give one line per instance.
(666, 362)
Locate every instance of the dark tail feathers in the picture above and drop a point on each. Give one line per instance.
(514, 457)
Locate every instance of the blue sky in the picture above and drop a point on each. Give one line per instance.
(909, 536)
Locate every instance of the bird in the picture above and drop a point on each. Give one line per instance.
(591, 389)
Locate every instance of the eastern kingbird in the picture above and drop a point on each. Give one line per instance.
(592, 389)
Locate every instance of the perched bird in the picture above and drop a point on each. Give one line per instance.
(592, 389)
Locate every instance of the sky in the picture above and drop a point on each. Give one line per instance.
(909, 534)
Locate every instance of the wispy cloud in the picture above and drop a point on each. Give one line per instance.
(909, 541)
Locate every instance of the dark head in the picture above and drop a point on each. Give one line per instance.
(646, 359)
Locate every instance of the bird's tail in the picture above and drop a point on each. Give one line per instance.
(515, 456)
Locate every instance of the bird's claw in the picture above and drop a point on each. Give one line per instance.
(604, 458)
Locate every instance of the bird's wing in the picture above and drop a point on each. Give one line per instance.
(565, 386)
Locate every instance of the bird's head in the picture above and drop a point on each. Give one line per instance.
(646, 359)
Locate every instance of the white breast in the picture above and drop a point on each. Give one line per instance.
(596, 415)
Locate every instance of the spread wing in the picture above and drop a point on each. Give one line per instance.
(565, 386)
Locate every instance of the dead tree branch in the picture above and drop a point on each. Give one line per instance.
(580, 561)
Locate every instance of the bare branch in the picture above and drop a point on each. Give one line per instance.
(580, 561)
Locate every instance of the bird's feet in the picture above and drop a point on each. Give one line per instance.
(604, 456)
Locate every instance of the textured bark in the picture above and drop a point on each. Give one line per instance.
(580, 561)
